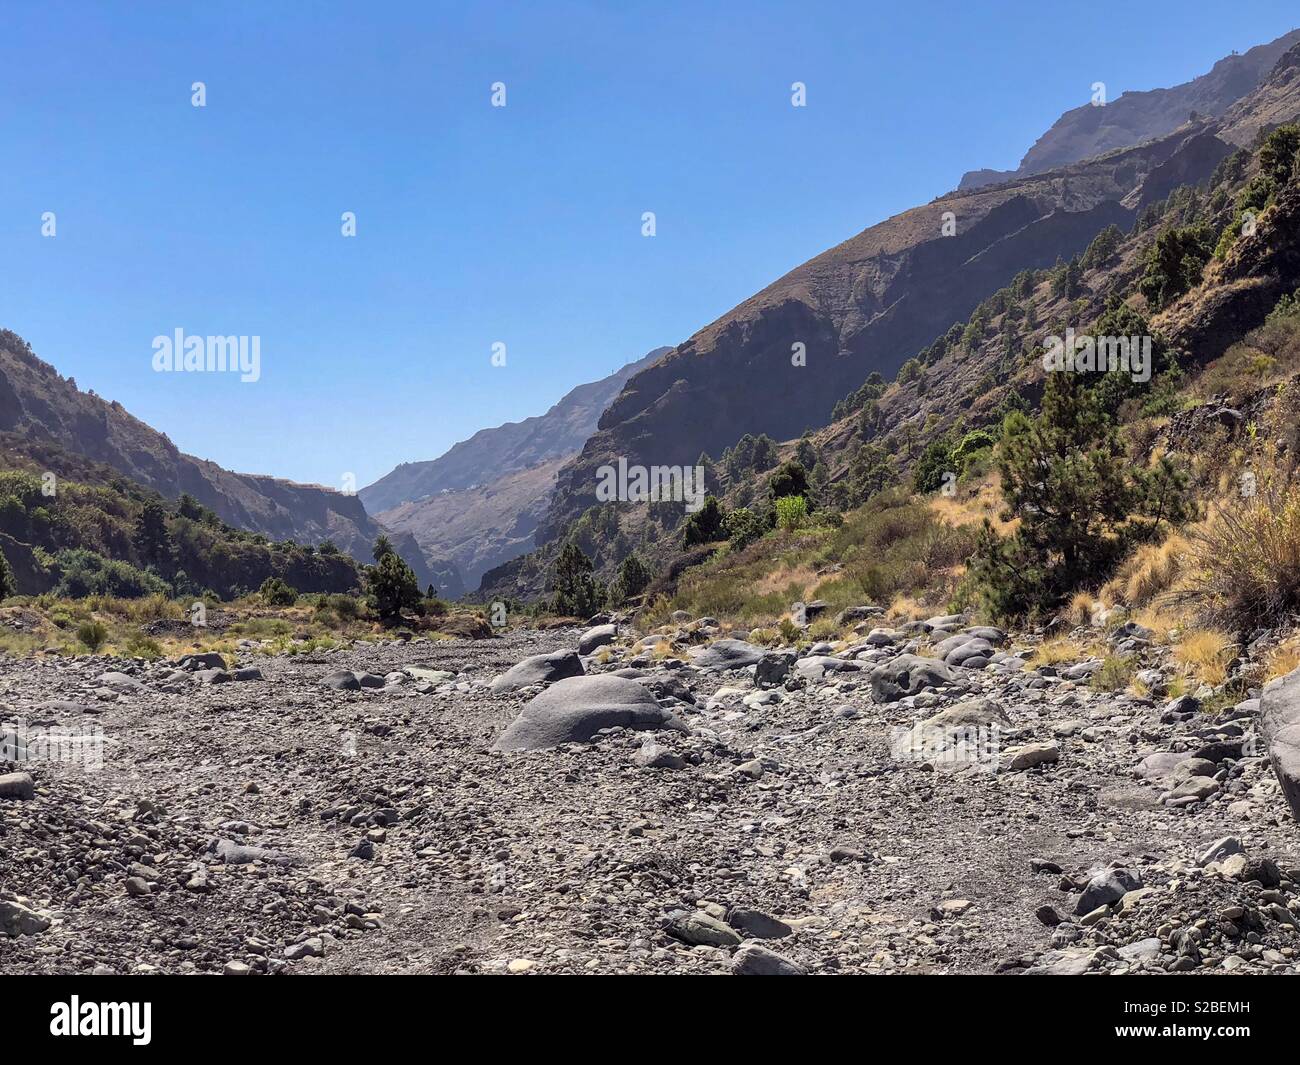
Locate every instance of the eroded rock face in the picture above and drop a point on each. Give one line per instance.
(573, 710)
(1279, 726)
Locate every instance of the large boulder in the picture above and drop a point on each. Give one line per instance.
(753, 959)
(1106, 887)
(963, 734)
(574, 709)
(1279, 727)
(596, 637)
(539, 669)
(908, 675)
(773, 668)
(722, 655)
(815, 667)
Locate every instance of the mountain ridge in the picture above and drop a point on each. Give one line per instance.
(1137, 116)
(39, 404)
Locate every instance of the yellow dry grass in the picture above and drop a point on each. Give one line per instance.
(1283, 659)
(784, 576)
(972, 504)
(1147, 574)
(1205, 654)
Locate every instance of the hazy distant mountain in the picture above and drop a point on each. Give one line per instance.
(1135, 117)
(479, 503)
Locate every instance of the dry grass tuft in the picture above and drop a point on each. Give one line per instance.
(1204, 654)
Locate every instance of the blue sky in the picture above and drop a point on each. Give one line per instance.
(477, 224)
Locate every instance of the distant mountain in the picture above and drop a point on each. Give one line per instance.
(1135, 117)
(40, 405)
(479, 503)
(507, 448)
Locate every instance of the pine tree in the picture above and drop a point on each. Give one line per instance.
(391, 586)
(1066, 477)
(633, 576)
(576, 592)
(152, 540)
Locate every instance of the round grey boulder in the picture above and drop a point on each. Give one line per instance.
(539, 669)
(574, 709)
(722, 655)
(596, 637)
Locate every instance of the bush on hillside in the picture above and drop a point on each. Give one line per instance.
(706, 525)
(82, 573)
(791, 513)
(1244, 562)
(275, 592)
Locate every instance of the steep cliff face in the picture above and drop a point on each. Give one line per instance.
(38, 404)
(867, 305)
(1135, 117)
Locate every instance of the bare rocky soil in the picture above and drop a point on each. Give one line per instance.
(287, 824)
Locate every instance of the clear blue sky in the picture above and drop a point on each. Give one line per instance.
(478, 224)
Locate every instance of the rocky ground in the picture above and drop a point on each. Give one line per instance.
(723, 808)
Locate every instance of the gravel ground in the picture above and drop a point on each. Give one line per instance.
(281, 825)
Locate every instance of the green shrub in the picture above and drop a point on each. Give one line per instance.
(1115, 674)
(92, 634)
(275, 592)
(138, 645)
(706, 525)
(791, 513)
(82, 573)
(346, 607)
(743, 527)
(8, 586)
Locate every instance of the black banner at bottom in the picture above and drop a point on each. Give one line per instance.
(146, 1014)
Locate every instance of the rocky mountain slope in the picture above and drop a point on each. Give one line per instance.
(966, 372)
(39, 405)
(867, 305)
(479, 504)
(1140, 116)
